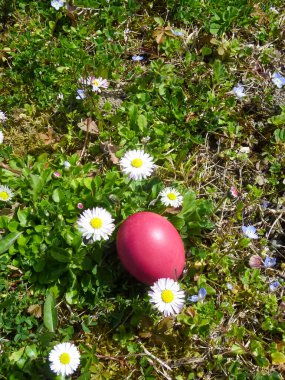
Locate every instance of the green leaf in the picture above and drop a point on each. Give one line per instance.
(57, 195)
(279, 134)
(219, 71)
(71, 297)
(214, 28)
(61, 69)
(237, 349)
(13, 226)
(22, 216)
(159, 21)
(61, 255)
(16, 356)
(87, 182)
(50, 314)
(142, 122)
(8, 240)
(31, 351)
(51, 24)
(278, 358)
(37, 185)
(206, 50)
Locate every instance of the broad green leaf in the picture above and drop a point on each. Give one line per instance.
(61, 69)
(22, 216)
(50, 314)
(237, 349)
(142, 122)
(279, 134)
(13, 226)
(31, 351)
(16, 355)
(214, 28)
(159, 21)
(61, 255)
(37, 185)
(57, 195)
(72, 297)
(278, 358)
(87, 182)
(8, 240)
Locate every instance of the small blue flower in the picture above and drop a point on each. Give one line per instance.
(81, 94)
(229, 286)
(137, 58)
(56, 4)
(177, 32)
(66, 165)
(269, 262)
(200, 296)
(278, 79)
(274, 285)
(250, 232)
(239, 91)
(265, 204)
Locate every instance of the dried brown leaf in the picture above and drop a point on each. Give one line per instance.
(89, 125)
(159, 36)
(47, 138)
(35, 310)
(110, 149)
(190, 311)
(172, 210)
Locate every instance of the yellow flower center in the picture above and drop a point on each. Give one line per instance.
(96, 82)
(167, 296)
(4, 195)
(171, 196)
(96, 222)
(137, 162)
(64, 358)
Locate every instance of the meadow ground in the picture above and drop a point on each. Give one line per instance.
(111, 107)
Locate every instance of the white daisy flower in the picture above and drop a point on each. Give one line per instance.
(167, 296)
(1, 137)
(97, 83)
(2, 116)
(171, 197)
(5, 193)
(64, 358)
(137, 164)
(96, 224)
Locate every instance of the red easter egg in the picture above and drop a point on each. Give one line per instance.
(150, 248)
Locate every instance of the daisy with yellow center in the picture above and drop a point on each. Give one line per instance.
(96, 224)
(64, 359)
(137, 164)
(166, 296)
(5, 193)
(97, 83)
(171, 197)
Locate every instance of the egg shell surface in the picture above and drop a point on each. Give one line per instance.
(150, 247)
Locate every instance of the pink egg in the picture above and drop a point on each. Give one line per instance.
(150, 248)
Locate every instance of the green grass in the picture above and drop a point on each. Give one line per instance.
(177, 104)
